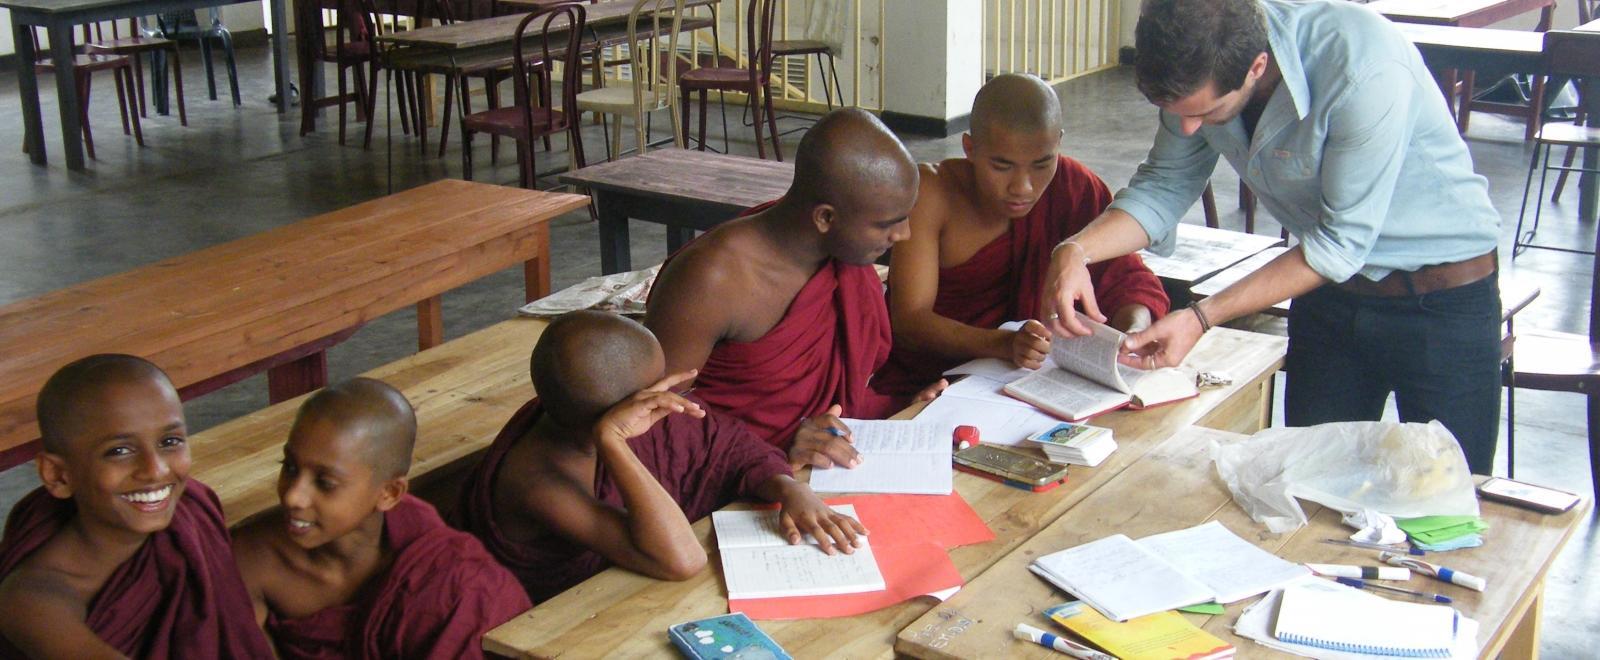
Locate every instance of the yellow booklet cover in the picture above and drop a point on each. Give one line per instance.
(1159, 636)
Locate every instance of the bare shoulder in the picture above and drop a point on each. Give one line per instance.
(255, 549)
(939, 190)
(37, 597)
(718, 261)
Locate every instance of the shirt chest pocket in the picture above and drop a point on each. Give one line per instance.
(1290, 173)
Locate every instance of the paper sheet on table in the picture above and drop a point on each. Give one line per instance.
(897, 456)
(623, 293)
(1008, 423)
(911, 535)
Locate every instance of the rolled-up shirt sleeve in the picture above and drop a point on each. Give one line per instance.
(1167, 183)
(1368, 132)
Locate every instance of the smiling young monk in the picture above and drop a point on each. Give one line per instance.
(981, 236)
(608, 466)
(119, 553)
(354, 567)
(781, 311)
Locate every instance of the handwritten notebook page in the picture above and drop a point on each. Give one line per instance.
(1120, 578)
(897, 456)
(758, 562)
(1233, 568)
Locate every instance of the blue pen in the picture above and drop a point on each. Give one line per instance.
(834, 431)
(1359, 584)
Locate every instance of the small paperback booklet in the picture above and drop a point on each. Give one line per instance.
(1159, 636)
(1077, 444)
(758, 562)
(1087, 380)
(726, 637)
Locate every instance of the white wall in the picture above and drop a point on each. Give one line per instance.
(933, 57)
(238, 18)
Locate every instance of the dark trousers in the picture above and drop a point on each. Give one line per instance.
(1439, 353)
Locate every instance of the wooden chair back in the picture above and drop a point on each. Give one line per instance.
(758, 24)
(535, 58)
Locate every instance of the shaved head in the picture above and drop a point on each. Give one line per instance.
(375, 411)
(1016, 102)
(74, 392)
(587, 361)
(849, 159)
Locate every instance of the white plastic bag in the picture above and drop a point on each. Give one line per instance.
(1404, 470)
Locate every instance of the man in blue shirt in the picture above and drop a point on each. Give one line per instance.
(1330, 116)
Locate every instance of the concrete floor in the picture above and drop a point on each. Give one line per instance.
(237, 171)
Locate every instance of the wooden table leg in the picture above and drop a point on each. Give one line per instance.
(292, 379)
(614, 252)
(61, 53)
(430, 323)
(678, 237)
(280, 53)
(536, 278)
(28, 90)
(1524, 640)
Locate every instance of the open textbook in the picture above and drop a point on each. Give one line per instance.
(758, 561)
(1086, 379)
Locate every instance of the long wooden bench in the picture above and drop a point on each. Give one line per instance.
(463, 390)
(275, 300)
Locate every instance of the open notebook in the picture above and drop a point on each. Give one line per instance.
(1350, 621)
(758, 562)
(1123, 578)
(897, 456)
(1087, 380)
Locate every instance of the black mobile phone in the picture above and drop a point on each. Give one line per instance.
(1527, 496)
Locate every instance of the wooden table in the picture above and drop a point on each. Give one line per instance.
(463, 390)
(58, 17)
(682, 189)
(1175, 486)
(1201, 253)
(622, 614)
(234, 307)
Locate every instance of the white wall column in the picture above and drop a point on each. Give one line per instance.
(933, 64)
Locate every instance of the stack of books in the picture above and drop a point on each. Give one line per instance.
(1077, 444)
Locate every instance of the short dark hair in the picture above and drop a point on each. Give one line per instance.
(1183, 44)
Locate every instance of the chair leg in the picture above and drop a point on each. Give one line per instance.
(1468, 82)
(1522, 211)
(837, 90)
(444, 119)
(177, 83)
(466, 148)
(704, 94)
(372, 103)
(83, 111)
(683, 113)
(128, 101)
(138, 78)
(1594, 443)
(1208, 201)
(492, 95)
(772, 125)
(122, 106)
(343, 90)
(575, 140)
(755, 112)
(211, 76)
(233, 68)
(1561, 178)
(1535, 109)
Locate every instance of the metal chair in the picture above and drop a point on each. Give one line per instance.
(83, 67)
(754, 81)
(140, 41)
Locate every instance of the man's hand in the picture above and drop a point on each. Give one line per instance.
(931, 392)
(1066, 284)
(1030, 345)
(634, 415)
(805, 513)
(824, 441)
(1163, 344)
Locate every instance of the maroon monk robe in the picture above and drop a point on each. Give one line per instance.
(823, 351)
(179, 596)
(702, 463)
(437, 599)
(1004, 279)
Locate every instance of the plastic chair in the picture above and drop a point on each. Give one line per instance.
(183, 26)
(533, 114)
(140, 41)
(650, 88)
(83, 67)
(753, 81)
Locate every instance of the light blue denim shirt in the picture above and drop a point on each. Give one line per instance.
(1355, 152)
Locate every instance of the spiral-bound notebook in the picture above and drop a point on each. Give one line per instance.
(1345, 621)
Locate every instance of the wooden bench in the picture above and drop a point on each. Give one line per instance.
(255, 304)
(1173, 486)
(684, 190)
(623, 614)
(463, 390)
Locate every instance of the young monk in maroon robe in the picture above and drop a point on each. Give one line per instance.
(608, 466)
(119, 554)
(981, 235)
(781, 311)
(354, 567)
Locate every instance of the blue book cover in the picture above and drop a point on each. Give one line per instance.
(730, 636)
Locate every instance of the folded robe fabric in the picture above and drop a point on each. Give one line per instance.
(1004, 280)
(702, 463)
(833, 336)
(437, 599)
(179, 596)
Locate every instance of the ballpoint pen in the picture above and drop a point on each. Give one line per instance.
(1376, 546)
(1472, 582)
(1052, 642)
(1362, 572)
(1359, 584)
